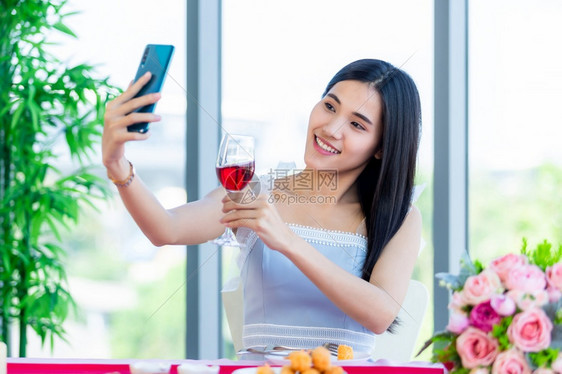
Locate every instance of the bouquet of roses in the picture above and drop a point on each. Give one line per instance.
(506, 318)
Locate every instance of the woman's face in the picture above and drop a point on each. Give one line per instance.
(345, 128)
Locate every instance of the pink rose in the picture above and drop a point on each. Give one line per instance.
(526, 278)
(557, 364)
(503, 304)
(479, 288)
(530, 299)
(511, 361)
(457, 302)
(484, 317)
(554, 276)
(553, 294)
(530, 330)
(503, 265)
(476, 348)
(458, 322)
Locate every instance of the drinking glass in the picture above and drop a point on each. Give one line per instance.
(235, 169)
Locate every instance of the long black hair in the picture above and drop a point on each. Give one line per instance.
(385, 185)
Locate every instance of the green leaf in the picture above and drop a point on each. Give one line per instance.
(460, 371)
(16, 116)
(36, 222)
(500, 332)
(53, 226)
(70, 14)
(478, 267)
(544, 358)
(65, 29)
(35, 112)
(544, 255)
(55, 250)
(443, 336)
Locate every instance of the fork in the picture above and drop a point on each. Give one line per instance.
(332, 347)
(285, 348)
(270, 348)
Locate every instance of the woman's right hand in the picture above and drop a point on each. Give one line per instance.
(119, 113)
(192, 223)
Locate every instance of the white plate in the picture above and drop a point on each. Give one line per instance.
(277, 359)
(149, 367)
(197, 369)
(280, 358)
(358, 357)
(253, 371)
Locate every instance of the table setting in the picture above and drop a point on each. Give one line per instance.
(258, 360)
(224, 366)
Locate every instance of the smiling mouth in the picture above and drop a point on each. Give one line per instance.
(325, 146)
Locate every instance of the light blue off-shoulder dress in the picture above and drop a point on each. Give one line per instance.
(282, 307)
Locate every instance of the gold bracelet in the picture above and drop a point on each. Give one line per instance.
(127, 181)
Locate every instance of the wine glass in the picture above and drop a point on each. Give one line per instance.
(235, 169)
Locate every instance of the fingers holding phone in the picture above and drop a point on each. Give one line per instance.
(132, 102)
(133, 89)
(127, 117)
(119, 114)
(156, 60)
(149, 79)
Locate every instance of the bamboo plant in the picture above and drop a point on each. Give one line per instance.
(49, 112)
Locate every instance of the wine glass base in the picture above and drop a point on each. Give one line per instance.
(227, 239)
(227, 243)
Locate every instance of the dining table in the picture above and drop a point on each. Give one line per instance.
(226, 366)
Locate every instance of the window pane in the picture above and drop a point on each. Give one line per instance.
(515, 155)
(130, 298)
(278, 57)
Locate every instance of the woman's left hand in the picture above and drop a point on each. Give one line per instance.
(261, 217)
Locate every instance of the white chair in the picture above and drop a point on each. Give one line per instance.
(394, 347)
(233, 302)
(400, 345)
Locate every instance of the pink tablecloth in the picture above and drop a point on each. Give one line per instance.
(58, 366)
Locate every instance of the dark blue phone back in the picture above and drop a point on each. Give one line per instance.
(156, 59)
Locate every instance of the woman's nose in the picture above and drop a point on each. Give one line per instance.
(335, 127)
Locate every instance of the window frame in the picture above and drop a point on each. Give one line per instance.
(450, 238)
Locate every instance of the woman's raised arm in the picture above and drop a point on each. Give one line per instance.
(191, 223)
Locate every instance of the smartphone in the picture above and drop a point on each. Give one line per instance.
(156, 59)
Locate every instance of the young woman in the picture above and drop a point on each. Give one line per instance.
(332, 265)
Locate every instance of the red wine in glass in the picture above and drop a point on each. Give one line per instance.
(235, 169)
(236, 177)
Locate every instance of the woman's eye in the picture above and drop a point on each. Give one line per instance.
(357, 125)
(329, 106)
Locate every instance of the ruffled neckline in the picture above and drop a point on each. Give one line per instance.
(327, 230)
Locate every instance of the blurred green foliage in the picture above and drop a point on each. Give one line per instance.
(155, 327)
(508, 206)
(48, 109)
